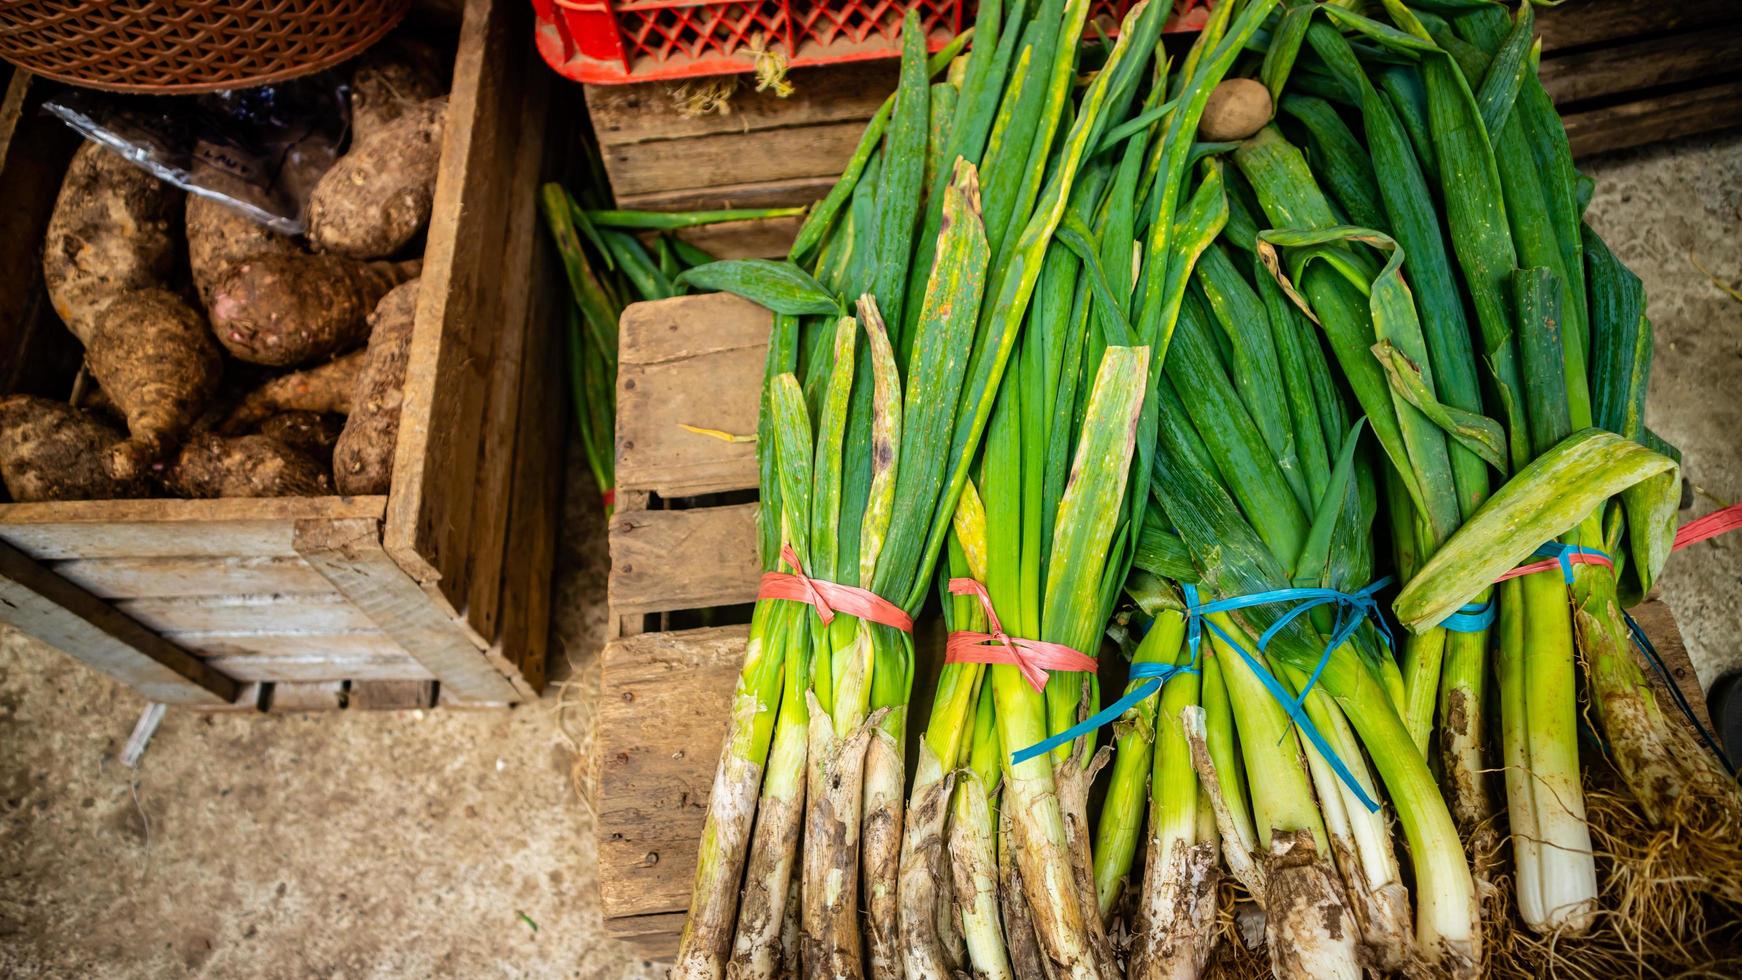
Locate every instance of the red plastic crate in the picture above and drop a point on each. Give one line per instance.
(608, 42)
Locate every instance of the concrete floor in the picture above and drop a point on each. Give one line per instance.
(454, 843)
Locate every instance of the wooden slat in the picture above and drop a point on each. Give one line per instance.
(235, 527)
(683, 559)
(647, 112)
(1628, 67)
(350, 557)
(675, 359)
(86, 628)
(519, 307)
(522, 640)
(1646, 121)
(765, 238)
(1655, 618)
(479, 209)
(663, 702)
(38, 355)
(392, 695)
(280, 668)
(1596, 21)
(131, 578)
(756, 194)
(654, 936)
(317, 696)
(777, 154)
(329, 613)
(361, 644)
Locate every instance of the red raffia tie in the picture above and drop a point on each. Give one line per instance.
(830, 598)
(1032, 657)
(1548, 564)
(1709, 526)
(608, 498)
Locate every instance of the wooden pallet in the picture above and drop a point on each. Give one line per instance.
(1625, 73)
(684, 540)
(436, 592)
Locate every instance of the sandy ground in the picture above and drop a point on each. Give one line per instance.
(456, 843)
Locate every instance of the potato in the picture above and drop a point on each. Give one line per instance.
(244, 466)
(378, 196)
(1236, 109)
(310, 433)
(112, 232)
(325, 388)
(390, 78)
(363, 458)
(221, 238)
(52, 451)
(284, 310)
(156, 361)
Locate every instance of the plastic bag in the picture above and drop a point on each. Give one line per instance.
(259, 149)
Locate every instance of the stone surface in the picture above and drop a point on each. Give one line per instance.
(1662, 210)
(429, 843)
(332, 844)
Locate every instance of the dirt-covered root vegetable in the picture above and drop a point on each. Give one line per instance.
(378, 196)
(155, 358)
(310, 433)
(390, 78)
(112, 232)
(221, 238)
(1237, 108)
(324, 389)
(244, 466)
(284, 310)
(52, 451)
(363, 459)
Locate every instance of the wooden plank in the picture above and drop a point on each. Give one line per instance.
(683, 559)
(528, 312)
(131, 578)
(1665, 117)
(654, 936)
(38, 355)
(327, 613)
(234, 527)
(1627, 67)
(758, 194)
(1654, 617)
(301, 668)
(647, 112)
(363, 644)
(1598, 21)
(348, 554)
(662, 712)
(675, 359)
(392, 695)
(522, 642)
(86, 628)
(318, 696)
(777, 154)
(478, 204)
(765, 238)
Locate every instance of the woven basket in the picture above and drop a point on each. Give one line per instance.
(178, 46)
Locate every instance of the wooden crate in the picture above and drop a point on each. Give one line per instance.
(1624, 72)
(684, 539)
(437, 592)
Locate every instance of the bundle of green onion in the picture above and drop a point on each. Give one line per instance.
(1220, 395)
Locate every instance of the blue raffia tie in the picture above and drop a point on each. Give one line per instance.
(1478, 616)
(1352, 608)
